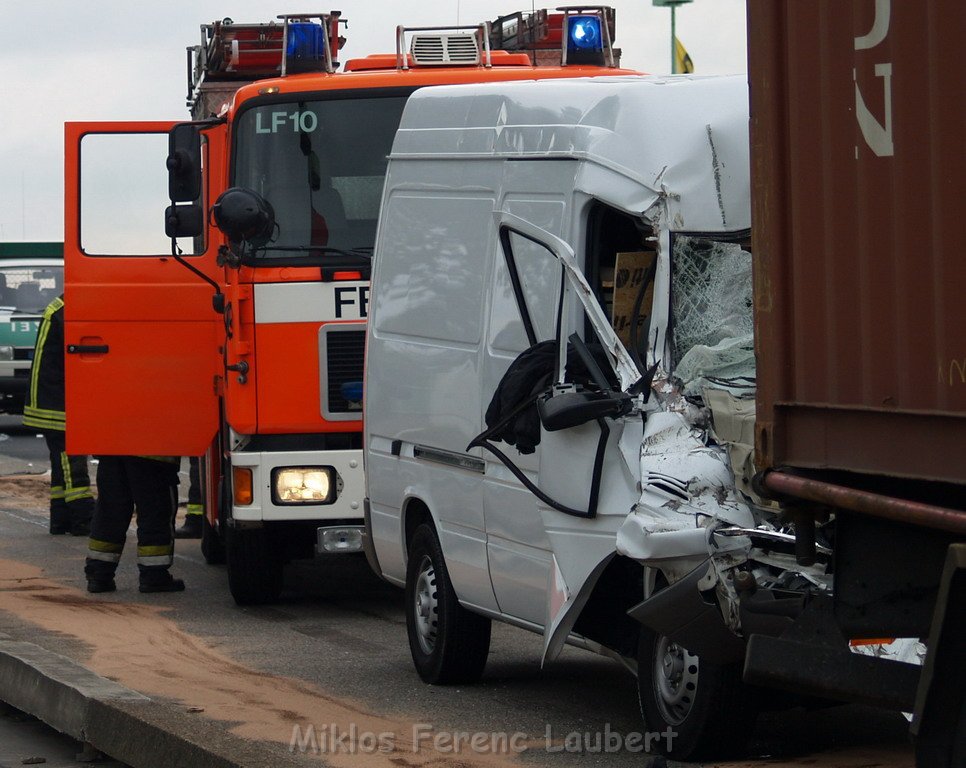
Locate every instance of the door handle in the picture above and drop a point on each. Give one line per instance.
(87, 349)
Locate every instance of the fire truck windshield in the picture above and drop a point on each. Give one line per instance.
(321, 164)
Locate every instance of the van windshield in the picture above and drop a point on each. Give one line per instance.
(321, 164)
(712, 317)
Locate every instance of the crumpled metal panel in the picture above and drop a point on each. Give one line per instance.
(704, 191)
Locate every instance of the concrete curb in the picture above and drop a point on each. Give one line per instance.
(120, 722)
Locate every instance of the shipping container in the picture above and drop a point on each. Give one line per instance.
(858, 118)
(858, 123)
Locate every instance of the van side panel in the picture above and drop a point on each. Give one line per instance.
(434, 261)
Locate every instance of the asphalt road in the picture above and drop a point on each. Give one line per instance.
(338, 636)
(22, 449)
(27, 741)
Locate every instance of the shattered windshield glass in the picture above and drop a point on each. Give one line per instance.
(711, 304)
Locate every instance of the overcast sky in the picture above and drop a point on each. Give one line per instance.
(64, 60)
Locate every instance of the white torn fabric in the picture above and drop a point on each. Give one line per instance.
(728, 365)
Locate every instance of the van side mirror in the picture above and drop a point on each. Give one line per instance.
(566, 409)
(184, 163)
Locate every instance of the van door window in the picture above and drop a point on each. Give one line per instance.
(586, 394)
(620, 264)
(526, 295)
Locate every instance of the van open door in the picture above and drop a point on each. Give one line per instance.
(577, 464)
(143, 361)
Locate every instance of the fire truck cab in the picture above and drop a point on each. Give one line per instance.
(233, 326)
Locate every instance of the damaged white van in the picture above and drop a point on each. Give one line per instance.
(559, 388)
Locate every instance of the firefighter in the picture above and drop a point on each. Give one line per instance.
(148, 484)
(191, 527)
(71, 500)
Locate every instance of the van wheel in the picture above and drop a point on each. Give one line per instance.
(449, 644)
(700, 710)
(255, 567)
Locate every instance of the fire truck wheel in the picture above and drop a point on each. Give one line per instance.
(254, 566)
(449, 644)
(695, 710)
(212, 546)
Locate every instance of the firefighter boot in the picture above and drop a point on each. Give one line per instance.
(191, 528)
(59, 516)
(100, 575)
(154, 579)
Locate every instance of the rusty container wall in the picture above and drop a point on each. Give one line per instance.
(859, 222)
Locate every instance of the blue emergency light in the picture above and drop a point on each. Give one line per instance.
(306, 47)
(585, 33)
(585, 40)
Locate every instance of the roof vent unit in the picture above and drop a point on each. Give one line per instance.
(428, 50)
(444, 46)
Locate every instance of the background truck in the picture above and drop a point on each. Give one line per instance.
(859, 180)
(31, 276)
(266, 379)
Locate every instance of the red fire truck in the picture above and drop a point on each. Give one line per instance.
(241, 336)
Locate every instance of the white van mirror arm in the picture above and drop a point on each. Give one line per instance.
(627, 372)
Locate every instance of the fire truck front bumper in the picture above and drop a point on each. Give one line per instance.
(323, 486)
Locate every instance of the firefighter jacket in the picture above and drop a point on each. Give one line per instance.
(44, 407)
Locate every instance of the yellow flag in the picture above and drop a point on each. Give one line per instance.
(682, 61)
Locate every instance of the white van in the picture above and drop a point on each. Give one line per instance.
(583, 490)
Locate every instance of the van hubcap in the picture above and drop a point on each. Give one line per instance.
(426, 606)
(675, 680)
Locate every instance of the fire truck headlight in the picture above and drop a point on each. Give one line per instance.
(6, 353)
(304, 485)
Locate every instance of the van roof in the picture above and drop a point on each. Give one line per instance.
(680, 139)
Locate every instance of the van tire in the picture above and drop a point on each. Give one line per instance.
(706, 705)
(449, 644)
(255, 567)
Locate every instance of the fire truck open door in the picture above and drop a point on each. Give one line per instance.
(142, 338)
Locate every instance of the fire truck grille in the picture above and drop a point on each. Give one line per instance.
(344, 351)
(445, 49)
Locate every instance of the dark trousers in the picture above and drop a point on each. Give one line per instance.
(71, 500)
(196, 505)
(126, 483)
